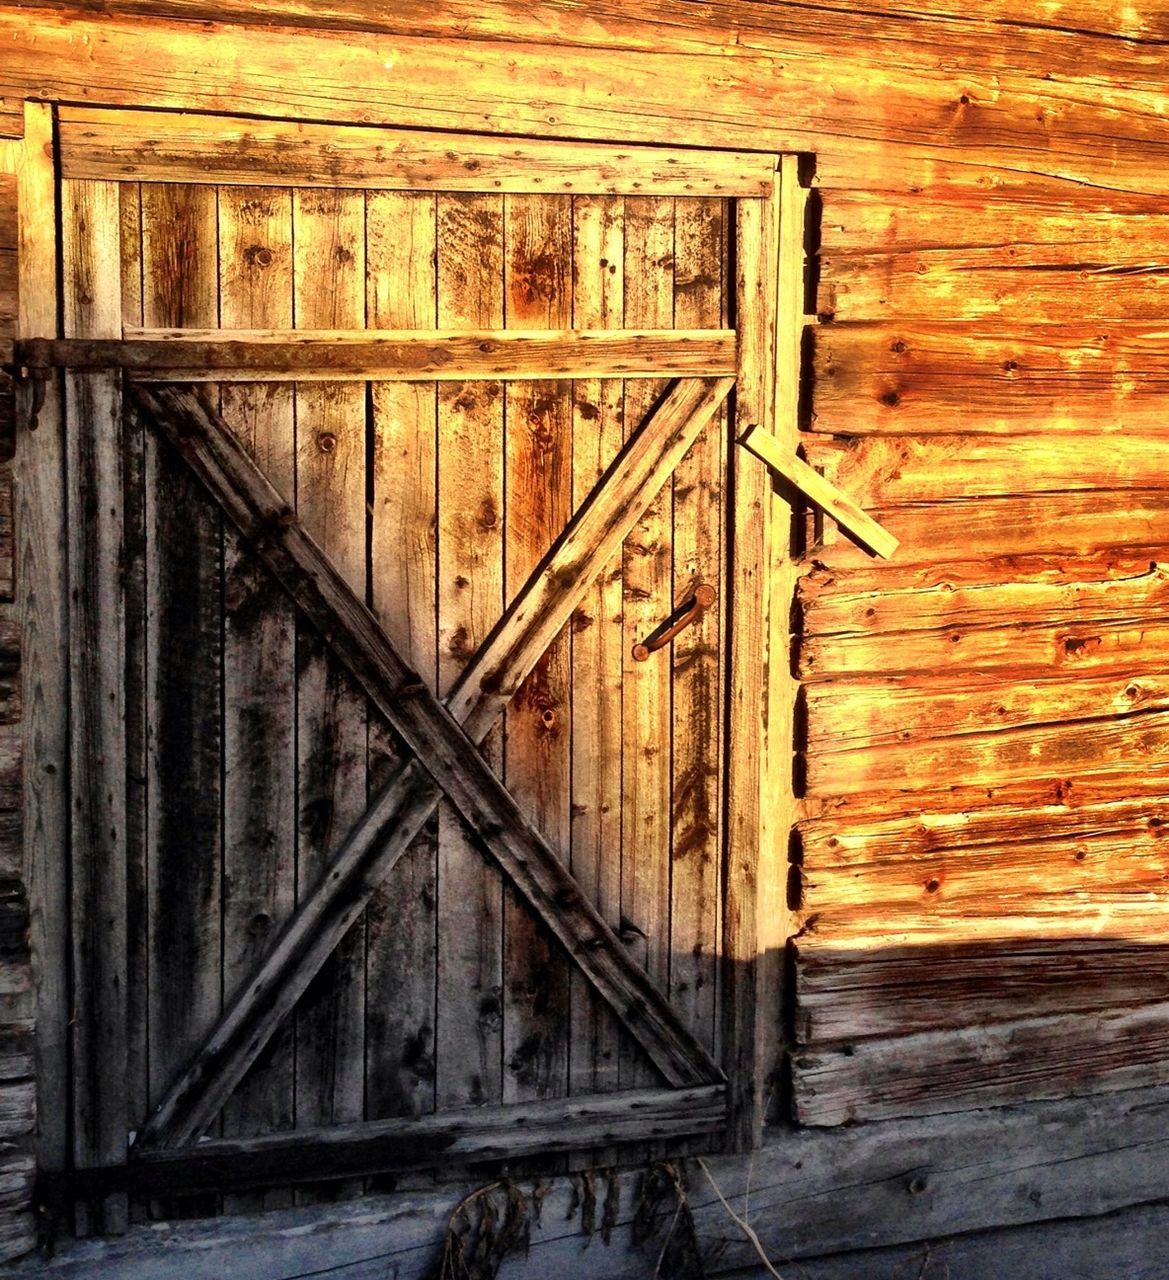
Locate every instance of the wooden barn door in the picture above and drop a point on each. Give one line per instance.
(383, 447)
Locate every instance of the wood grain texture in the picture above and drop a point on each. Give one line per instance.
(647, 597)
(42, 597)
(404, 804)
(467, 1137)
(121, 145)
(907, 379)
(597, 636)
(429, 731)
(259, 653)
(750, 1007)
(400, 921)
(469, 1039)
(697, 654)
(1017, 120)
(328, 229)
(537, 746)
(91, 246)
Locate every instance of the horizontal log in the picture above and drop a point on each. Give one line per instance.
(468, 1137)
(934, 1072)
(996, 756)
(1061, 787)
(1008, 284)
(832, 838)
(1032, 628)
(1106, 565)
(944, 260)
(899, 379)
(1120, 877)
(146, 146)
(1065, 524)
(857, 716)
(1055, 225)
(235, 355)
(846, 994)
(881, 471)
(772, 92)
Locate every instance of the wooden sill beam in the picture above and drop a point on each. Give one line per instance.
(244, 355)
(469, 1136)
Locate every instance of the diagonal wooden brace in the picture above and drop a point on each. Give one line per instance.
(406, 802)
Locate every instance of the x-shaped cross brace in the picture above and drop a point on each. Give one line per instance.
(443, 740)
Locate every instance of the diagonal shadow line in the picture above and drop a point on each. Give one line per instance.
(433, 733)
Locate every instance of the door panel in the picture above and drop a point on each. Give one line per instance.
(251, 752)
(449, 993)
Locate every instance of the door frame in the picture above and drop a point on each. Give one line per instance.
(768, 260)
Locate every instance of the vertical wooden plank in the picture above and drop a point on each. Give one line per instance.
(329, 290)
(750, 1007)
(778, 816)
(259, 659)
(400, 967)
(696, 774)
(470, 600)
(647, 587)
(91, 249)
(134, 577)
(538, 484)
(597, 636)
(42, 594)
(183, 646)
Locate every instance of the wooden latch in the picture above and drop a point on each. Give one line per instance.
(822, 492)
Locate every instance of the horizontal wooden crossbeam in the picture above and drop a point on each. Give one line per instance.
(436, 355)
(464, 1137)
(405, 803)
(822, 492)
(158, 146)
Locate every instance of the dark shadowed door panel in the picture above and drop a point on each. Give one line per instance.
(250, 751)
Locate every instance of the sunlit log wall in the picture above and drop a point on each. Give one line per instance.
(980, 886)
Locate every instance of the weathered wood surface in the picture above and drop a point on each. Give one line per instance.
(1090, 129)
(596, 639)
(144, 146)
(427, 727)
(851, 517)
(1017, 629)
(259, 648)
(466, 1137)
(91, 269)
(595, 533)
(401, 939)
(448, 355)
(39, 626)
(750, 1014)
(537, 746)
(647, 596)
(939, 260)
(991, 142)
(809, 1195)
(906, 379)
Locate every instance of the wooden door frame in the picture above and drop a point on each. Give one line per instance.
(769, 289)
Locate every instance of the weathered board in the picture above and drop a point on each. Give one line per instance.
(434, 496)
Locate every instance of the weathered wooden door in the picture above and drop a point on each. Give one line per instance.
(381, 446)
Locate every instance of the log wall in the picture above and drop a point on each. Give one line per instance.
(979, 878)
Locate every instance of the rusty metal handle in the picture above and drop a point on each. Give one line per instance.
(690, 610)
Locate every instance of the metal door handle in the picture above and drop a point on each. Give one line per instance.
(690, 610)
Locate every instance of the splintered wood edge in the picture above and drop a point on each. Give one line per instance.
(822, 492)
